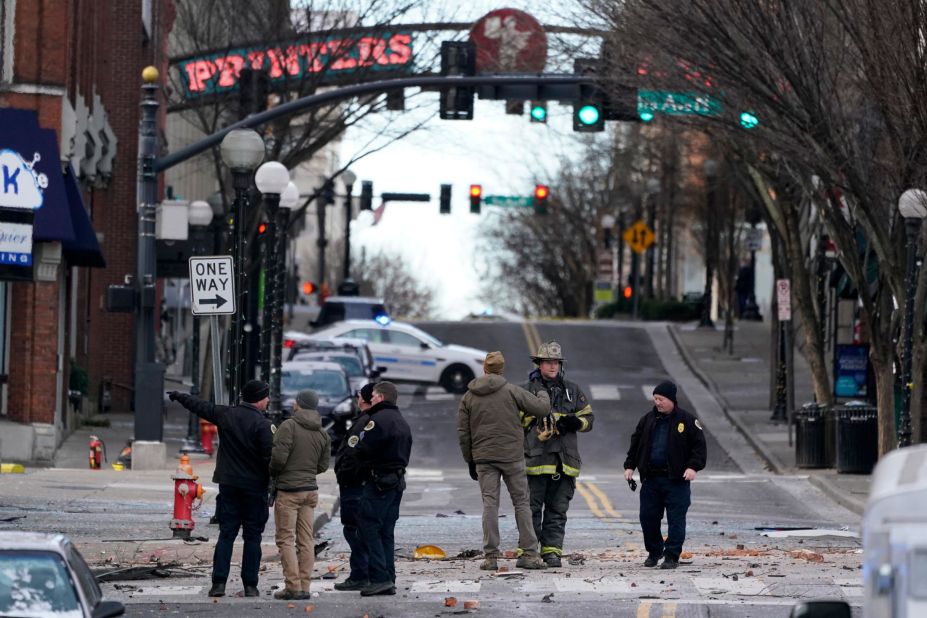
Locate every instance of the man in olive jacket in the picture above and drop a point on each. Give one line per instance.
(492, 441)
(301, 451)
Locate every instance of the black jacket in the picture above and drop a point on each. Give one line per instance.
(685, 447)
(246, 442)
(384, 442)
(347, 465)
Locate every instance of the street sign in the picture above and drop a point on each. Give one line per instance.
(509, 41)
(603, 291)
(753, 239)
(639, 236)
(212, 285)
(677, 103)
(511, 201)
(784, 299)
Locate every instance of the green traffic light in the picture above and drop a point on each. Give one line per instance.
(589, 114)
(539, 113)
(748, 120)
(646, 116)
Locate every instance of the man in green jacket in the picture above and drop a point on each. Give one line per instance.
(301, 451)
(492, 442)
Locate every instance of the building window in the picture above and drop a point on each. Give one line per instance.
(147, 14)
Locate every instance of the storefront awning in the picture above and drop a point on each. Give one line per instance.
(84, 250)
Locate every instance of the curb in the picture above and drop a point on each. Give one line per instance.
(837, 496)
(771, 460)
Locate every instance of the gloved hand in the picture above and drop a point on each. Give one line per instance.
(172, 395)
(569, 422)
(473, 471)
(546, 429)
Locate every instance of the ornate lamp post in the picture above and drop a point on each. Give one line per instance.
(711, 179)
(347, 177)
(242, 151)
(288, 200)
(913, 207)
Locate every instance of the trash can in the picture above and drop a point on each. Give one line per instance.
(809, 437)
(857, 431)
(830, 438)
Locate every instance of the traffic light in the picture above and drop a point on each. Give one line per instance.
(366, 196)
(748, 120)
(457, 58)
(476, 198)
(628, 292)
(589, 107)
(539, 111)
(262, 229)
(541, 193)
(445, 200)
(309, 288)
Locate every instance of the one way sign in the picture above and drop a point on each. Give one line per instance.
(212, 284)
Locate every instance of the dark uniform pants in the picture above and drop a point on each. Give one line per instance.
(550, 499)
(378, 514)
(350, 522)
(659, 494)
(245, 510)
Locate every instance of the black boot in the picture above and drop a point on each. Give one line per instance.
(651, 561)
(351, 585)
(669, 563)
(552, 560)
(217, 590)
(252, 591)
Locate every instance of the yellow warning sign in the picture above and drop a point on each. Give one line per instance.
(639, 236)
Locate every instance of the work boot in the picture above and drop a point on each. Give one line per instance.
(489, 564)
(217, 590)
(290, 595)
(530, 561)
(552, 560)
(669, 563)
(379, 588)
(352, 585)
(252, 591)
(651, 561)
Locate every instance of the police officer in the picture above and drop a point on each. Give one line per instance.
(243, 474)
(382, 448)
(351, 487)
(552, 450)
(668, 449)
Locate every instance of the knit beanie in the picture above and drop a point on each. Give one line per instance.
(494, 363)
(254, 391)
(666, 389)
(307, 399)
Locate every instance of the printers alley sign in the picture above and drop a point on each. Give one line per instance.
(329, 57)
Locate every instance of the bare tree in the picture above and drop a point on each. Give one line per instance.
(390, 277)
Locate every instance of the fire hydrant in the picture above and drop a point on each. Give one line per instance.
(97, 453)
(186, 490)
(207, 436)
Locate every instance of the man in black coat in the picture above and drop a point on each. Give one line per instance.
(382, 448)
(668, 449)
(243, 474)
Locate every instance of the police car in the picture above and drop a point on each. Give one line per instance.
(412, 355)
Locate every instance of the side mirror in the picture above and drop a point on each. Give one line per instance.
(425, 346)
(821, 609)
(108, 609)
(382, 369)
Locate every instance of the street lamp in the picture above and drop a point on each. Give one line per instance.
(271, 179)
(347, 177)
(200, 215)
(711, 177)
(288, 200)
(913, 207)
(242, 151)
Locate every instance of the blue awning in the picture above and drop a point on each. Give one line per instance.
(84, 250)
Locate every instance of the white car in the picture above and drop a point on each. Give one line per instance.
(412, 355)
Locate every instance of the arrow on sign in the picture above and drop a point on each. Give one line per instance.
(218, 301)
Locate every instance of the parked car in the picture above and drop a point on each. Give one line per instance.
(45, 575)
(304, 344)
(412, 355)
(348, 360)
(337, 404)
(340, 308)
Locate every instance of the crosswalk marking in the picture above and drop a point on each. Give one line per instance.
(604, 392)
(647, 389)
(448, 585)
(436, 393)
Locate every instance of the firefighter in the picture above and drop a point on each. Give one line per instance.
(552, 449)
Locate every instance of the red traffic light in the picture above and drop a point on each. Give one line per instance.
(308, 288)
(262, 228)
(541, 192)
(476, 190)
(628, 292)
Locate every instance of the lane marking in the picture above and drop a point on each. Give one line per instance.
(669, 610)
(647, 389)
(532, 336)
(643, 610)
(606, 503)
(604, 392)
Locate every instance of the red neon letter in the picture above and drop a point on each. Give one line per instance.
(229, 68)
(199, 72)
(401, 47)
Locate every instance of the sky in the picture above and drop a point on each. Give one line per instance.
(505, 154)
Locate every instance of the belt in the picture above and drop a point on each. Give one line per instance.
(658, 472)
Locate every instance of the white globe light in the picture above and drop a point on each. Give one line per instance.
(290, 196)
(913, 204)
(242, 149)
(348, 177)
(272, 177)
(200, 214)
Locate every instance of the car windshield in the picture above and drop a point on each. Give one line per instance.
(326, 383)
(36, 583)
(351, 364)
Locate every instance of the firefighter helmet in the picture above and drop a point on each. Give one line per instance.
(548, 351)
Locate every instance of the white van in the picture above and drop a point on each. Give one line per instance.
(895, 537)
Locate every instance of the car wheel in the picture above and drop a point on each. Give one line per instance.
(455, 378)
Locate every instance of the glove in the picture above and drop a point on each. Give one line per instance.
(546, 429)
(569, 422)
(173, 395)
(473, 474)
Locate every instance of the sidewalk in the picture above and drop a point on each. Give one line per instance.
(741, 384)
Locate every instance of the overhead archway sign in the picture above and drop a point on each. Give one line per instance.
(509, 41)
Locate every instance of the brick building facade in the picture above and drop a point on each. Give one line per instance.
(77, 65)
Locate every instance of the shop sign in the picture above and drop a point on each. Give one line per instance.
(329, 57)
(21, 186)
(851, 366)
(15, 244)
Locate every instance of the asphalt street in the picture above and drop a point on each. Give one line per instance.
(733, 571)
